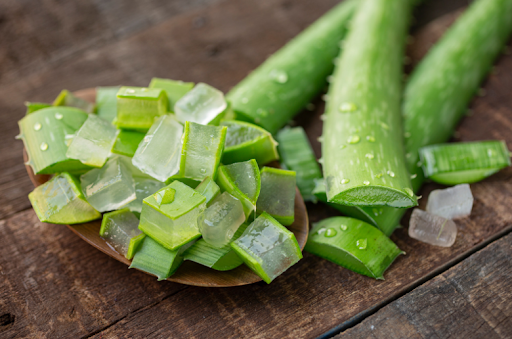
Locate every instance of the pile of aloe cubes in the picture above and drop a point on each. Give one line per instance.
(175, 176)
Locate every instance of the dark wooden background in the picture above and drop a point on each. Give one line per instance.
(54, 285)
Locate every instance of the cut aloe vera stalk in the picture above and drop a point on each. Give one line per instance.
(106, 102)
(209, 189)
(127, 142)
(174, 89)
(353, 244)
(245, 141)
(153, 258)
(203, 105)
(267, 247)
(158, 154)
(119, 229)
(144, 187)
(220, 259)
(44, 134)
(61, 201)
(36, 106)
(287, 81)
(464, 162)
(92, 142)
(137, 107)
(201, 151)
(277, 196)
(170, 215)
(297, 155)
(66, 98)
(135, 244)
(241, 180)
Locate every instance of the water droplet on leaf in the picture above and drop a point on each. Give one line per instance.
(345, 181)
(343, 227)
(366, 182)
(44, 146)
(369, 155)
(347, 107)
(353, 139)
(330, 232)
(37, 126)
(279, 76)
(370, 138)
(362, 243)
(391, 174)
(58, 116)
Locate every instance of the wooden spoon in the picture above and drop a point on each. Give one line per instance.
(189, 273)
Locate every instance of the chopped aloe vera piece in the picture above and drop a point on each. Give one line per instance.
(170, 216)
(137, 107)
(144, 187)
(66, 98)
(36, 106)
(452, 202)
(220, 221)
(267, 247)
(277, 196)
(353, 244)
(44, 134)
(118, 228)
(201, 151)
(203, 105)
(153, 258)
(241, 180)
(110, 187)
(209, 189)
(106, 102)
(127, 142)
(61, 201)
(174, 89)
(297, 155)
(92, 142)
(464, 162)
(245, 141)
(220, 259)
(135, 244)
(159, 151)
(432, 229)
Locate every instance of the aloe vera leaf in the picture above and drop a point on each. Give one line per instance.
(35, 106)
(267, 247)
(245, 141)
(174, 89)
(209, 189)
(66, 98)
(44, 134)
(297, 155)
(118, 228)
(61, 201)
(137, 107)
(353, 244)
(220, 259)
(464, 162)
(127, 142)
(287, 81)
(106, 102)
(277, 196)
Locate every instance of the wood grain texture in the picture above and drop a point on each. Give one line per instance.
(471, 300)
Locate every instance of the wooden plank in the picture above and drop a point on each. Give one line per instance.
(471, 300)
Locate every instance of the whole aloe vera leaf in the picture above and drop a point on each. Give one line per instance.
(286, 82)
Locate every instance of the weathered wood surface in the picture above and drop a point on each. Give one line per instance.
(52, 284)
(470, 300)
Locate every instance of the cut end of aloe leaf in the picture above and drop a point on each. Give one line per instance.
(376, 196)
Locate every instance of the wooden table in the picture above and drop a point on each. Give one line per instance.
(54, 285)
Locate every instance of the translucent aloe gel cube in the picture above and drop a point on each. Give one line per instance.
(277, 195)
(118, 228)
(209, 189)
(106, 102)
(144, 187)
(451, 203)
(203, 105)
(137, 107)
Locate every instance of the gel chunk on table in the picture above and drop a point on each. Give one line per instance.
(277, 196)
(432, 229)
(203, 105)
(137, 107)
(267, 247)
(110, 187)
(119, 229)
(451, 203)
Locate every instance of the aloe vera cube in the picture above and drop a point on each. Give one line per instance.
(106, 102)
(241, 180)
(451, 203)
(44, 134)
(137, 107)
(92, 142)
(127, 142)
(158, 154)
(220, 259)
(221, 219)
(277, 196)
(245, 141)
(61, 201)
(203, 105)
(201, 151)
(175, 89)
(172, 222)
(66, 98)
(432, 229)
(110, 187)
(267, 247)
(144, 187)
(118, 228)
(209, 189)
(36, 106)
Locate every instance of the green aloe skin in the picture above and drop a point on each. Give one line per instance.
(286, 82)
